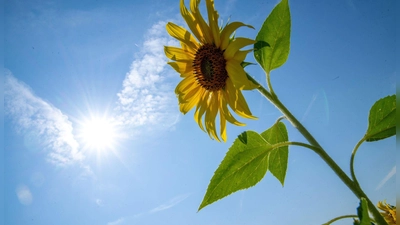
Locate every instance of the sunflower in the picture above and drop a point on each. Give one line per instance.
(209, 61)
(389, 212)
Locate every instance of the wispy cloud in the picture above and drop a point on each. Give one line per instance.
(147, 96)
(388, 176)
(171, 203)
(146, 101)
(117, 222)
(40, 122)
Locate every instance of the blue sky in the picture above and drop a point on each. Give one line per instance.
(69, 62)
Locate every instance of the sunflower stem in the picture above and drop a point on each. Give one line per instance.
(320, 151)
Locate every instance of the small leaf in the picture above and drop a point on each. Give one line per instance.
(278, 158)
(244, 165)
(273, 40)
(382, 119)
(362, 212)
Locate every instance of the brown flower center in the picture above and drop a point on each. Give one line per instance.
(209, 67)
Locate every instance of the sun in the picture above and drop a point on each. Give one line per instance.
(98, 133)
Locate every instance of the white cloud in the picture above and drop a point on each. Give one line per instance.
(43, 125)
(147, 97)
(388, 176)
(24, 195)
(117, 222)
(171, 203)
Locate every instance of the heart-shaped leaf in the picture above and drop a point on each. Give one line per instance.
(244, 165)
(278, 158)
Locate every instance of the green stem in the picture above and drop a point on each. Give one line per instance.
(320, 151)
(270, 85)
(342, 217)
(339, 218)
(282, 144)
(280, 118)
(353, 154)
(353, 176)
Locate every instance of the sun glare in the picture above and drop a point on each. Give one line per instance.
(98, 133)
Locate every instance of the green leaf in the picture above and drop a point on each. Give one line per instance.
(273, 40)
(244, 165)
(278, 158)
(382, 119)
(362, 212)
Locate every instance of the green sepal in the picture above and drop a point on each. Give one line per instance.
(244, 64)
(362, 212)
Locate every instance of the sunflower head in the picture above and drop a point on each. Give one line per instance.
(209, 62)
(388, 212)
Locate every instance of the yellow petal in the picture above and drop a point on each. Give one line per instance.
(211, 113)
(184, 85)
(249, 85)
(182, 35)
(230, 94)
(201, 24)
(241, 55)
(178, 54)
(223, 127)
(213, 22)
(227, 32)
(183, 68)
(201, 109)
(185, 47)
(227, 114)
(237, 74)
(185, 97)
(236, 101)
(243, 107)
(235, 45)
(187, 106)
(191, 22)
